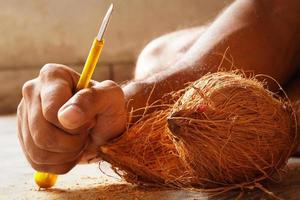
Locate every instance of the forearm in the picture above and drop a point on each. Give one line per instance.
(255, 41)
(258, 37)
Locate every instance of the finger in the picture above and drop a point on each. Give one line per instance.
(58, 85)
(53, 96)
(104, 97)
(21, 115)
(56, 169)
(47, 136)
(28, 88)
(41, 156)
(60, 168)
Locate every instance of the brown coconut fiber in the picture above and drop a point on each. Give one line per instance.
(225, 131)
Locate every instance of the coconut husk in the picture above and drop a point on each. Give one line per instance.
(225, 131)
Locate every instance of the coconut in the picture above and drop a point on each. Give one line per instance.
(225, 131)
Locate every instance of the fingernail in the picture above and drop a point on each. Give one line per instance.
(71, 116)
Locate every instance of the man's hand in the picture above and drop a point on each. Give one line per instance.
(59, 128)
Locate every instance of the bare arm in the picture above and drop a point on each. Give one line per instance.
(261, 37)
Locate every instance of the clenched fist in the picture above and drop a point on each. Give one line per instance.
(59, 127)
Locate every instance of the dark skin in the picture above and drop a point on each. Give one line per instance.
(59, 129)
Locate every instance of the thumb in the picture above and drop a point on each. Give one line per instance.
(71, 116)
(87, 103)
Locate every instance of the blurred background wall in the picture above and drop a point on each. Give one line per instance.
(35, 32)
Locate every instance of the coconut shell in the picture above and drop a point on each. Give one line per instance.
(226, 130)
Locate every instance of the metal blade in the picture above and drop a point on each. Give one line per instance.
(105, 22)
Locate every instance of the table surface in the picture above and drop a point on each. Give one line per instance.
(88, 182)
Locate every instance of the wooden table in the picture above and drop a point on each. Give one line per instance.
(89, 183)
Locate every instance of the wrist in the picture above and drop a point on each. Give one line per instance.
(134, 93)
(140, 95)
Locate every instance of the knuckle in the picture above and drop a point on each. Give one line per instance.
(109, 83)
(86, 96)
(52, 70)
(46, 68)
(28, 87)
(110, 87)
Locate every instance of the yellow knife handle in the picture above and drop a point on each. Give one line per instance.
(45, 180)
(90, 64)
